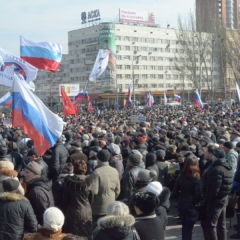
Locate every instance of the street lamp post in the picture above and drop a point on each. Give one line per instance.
(133, 80)
(212, 82)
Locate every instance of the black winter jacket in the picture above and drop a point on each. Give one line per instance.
(39, 193)
(16, 216)
(187, 190)
(219, 181)
(115, 227)
(44, 167)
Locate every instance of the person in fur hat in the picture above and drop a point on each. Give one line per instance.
(17, 214)
(118, 224)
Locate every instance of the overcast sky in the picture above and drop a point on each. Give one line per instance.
(50, 20)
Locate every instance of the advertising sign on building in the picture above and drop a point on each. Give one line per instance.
(136, 17)
(70, 89)
(91, 16)
(107, 40)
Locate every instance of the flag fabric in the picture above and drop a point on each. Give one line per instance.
(90, 108)
(129, 100)
(6, 100)
(11, 66)
(165, 99)
(42, 55)
(36, 120)
(177, 97)
(100, 64)
(238, 92)
(197, 100)
(150, 99)
(68, 107)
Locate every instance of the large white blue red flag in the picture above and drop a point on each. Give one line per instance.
(238, 92)
(150, 99)
(6, 100)
(129, 100)
(197, 100)
(11, 66)
(100, 64)
(36, 120)
(177, 97)
(42, 55)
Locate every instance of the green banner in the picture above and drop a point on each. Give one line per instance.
(107, 40)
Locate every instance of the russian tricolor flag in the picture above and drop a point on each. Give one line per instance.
(42, 55)
(197, 100)
(6, 100)
(129, 100)
(177, 97)
(36, 120)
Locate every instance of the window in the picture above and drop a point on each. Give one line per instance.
(174, 42)
(159, 40)
(181, 51)
(160, 58)
(128, 67)
(118, 47)
(152, 67)
(128, 76)
(175, 77)
(136, 67)
(127, 57)
(189, 84)
(127, 48)
(144, 40)
(152, 58)
(119, 57)
(167, 41)
(160, 68)
(144, 76)
(152, 76)
(181, 77)
(169, 85)
(119, 76)
(135, 48)
(160, 85)
(118, 38)
(151, 40)
(167, 50)
(168, 76)
(126, 38)
(151, 49)
(119, 66)
(159, 49)
(144, 58)
(144, 67)
(167, 68)
(160, 76)
(143, 49)
(135, 39)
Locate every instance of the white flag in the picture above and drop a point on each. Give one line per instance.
(165, 99)
(11, 66)
(238, 93)
(100, 64)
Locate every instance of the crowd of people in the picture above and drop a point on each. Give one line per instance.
(108, 178)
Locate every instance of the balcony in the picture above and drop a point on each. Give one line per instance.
(93, 42)
(92, 53)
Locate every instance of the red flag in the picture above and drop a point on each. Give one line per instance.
(67, 104)
(90, 108)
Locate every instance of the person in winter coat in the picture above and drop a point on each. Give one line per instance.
(106, 185)
(13, 155)
(68, 135)
(59, 157)
(92, 161)
(231, 155)
(187, 189)
(17, 215)
(76, 202)
(76, 153)
(34, 156)
(58, 185)
(163, 176)
(17, 137)
(116, 160)
(141, 147)
(151, 159)
(39, 190)
(163, 194)
(7, 171)
(117, 225)
(171, 153)
(53, 220)
(219, 185)
(147, 224)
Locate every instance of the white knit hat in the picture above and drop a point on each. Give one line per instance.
(53, 219)
(155, 188)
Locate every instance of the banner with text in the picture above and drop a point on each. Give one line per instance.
(71, 90)
(136, 17)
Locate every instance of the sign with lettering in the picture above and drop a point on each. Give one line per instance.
(91, 16)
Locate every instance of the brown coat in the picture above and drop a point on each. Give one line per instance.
(45, 234)
(77, 155)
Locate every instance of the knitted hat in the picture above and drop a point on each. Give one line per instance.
(126, 142)
(95, 149)
(137, 141)
(32, 151)
(30, 143)
(34, 168)
(151, 157)
(76, 144)
(67, 168)
(161, 153)
(146, 202)
(146, 175)
(218, 153)
(6, 164)
(134, 159)
(53, 219)
(221, 141)
(185, 148)
(238, 144)
(103, 155)
(155, 140)
(94, 143)
(155, 188)
(3, 146)
(10, 185)
(228, 145)
(114, 148)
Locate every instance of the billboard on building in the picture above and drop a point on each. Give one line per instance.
(107, 40)
(70, 89)
(136, 17)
